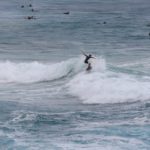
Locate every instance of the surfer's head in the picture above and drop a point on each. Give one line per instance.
(90, 55)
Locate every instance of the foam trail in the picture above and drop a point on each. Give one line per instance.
(103, 86)
(29, 72)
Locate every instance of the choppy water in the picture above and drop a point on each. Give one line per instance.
(47, 99)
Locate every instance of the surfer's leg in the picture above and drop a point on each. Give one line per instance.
(89, 66)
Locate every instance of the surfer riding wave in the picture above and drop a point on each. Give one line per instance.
(86, 61)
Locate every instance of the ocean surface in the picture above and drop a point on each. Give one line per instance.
(47, 99)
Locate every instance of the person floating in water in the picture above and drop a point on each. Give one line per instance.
(30, 17)
(86, 61)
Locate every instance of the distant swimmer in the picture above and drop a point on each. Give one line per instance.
(30, 17)
(67, 13)
(86, 61)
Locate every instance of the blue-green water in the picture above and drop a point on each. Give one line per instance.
(47, 99)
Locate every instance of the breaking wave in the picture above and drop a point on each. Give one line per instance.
(100, 85)
(29, 72)
(104, 86)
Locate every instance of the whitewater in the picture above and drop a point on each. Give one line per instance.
(48, 101)
(103, 106)
(97, 86)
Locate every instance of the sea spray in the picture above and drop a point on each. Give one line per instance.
(29, 72)
(104, 86)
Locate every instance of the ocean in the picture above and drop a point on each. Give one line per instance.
(48, 101)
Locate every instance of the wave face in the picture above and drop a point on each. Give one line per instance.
(31, 72)
(100, 85)
(104, 86)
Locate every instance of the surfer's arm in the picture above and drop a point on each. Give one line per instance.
(84, 54)
(93, 57)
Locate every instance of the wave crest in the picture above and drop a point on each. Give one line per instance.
(29, 72)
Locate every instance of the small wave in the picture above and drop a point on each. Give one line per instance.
(35, 118)
(30, 72)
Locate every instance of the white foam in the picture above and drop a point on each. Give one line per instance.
(28, 72)
(103, 86)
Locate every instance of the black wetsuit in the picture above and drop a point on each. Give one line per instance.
(87, 58)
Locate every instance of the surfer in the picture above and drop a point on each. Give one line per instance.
(86, 61)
